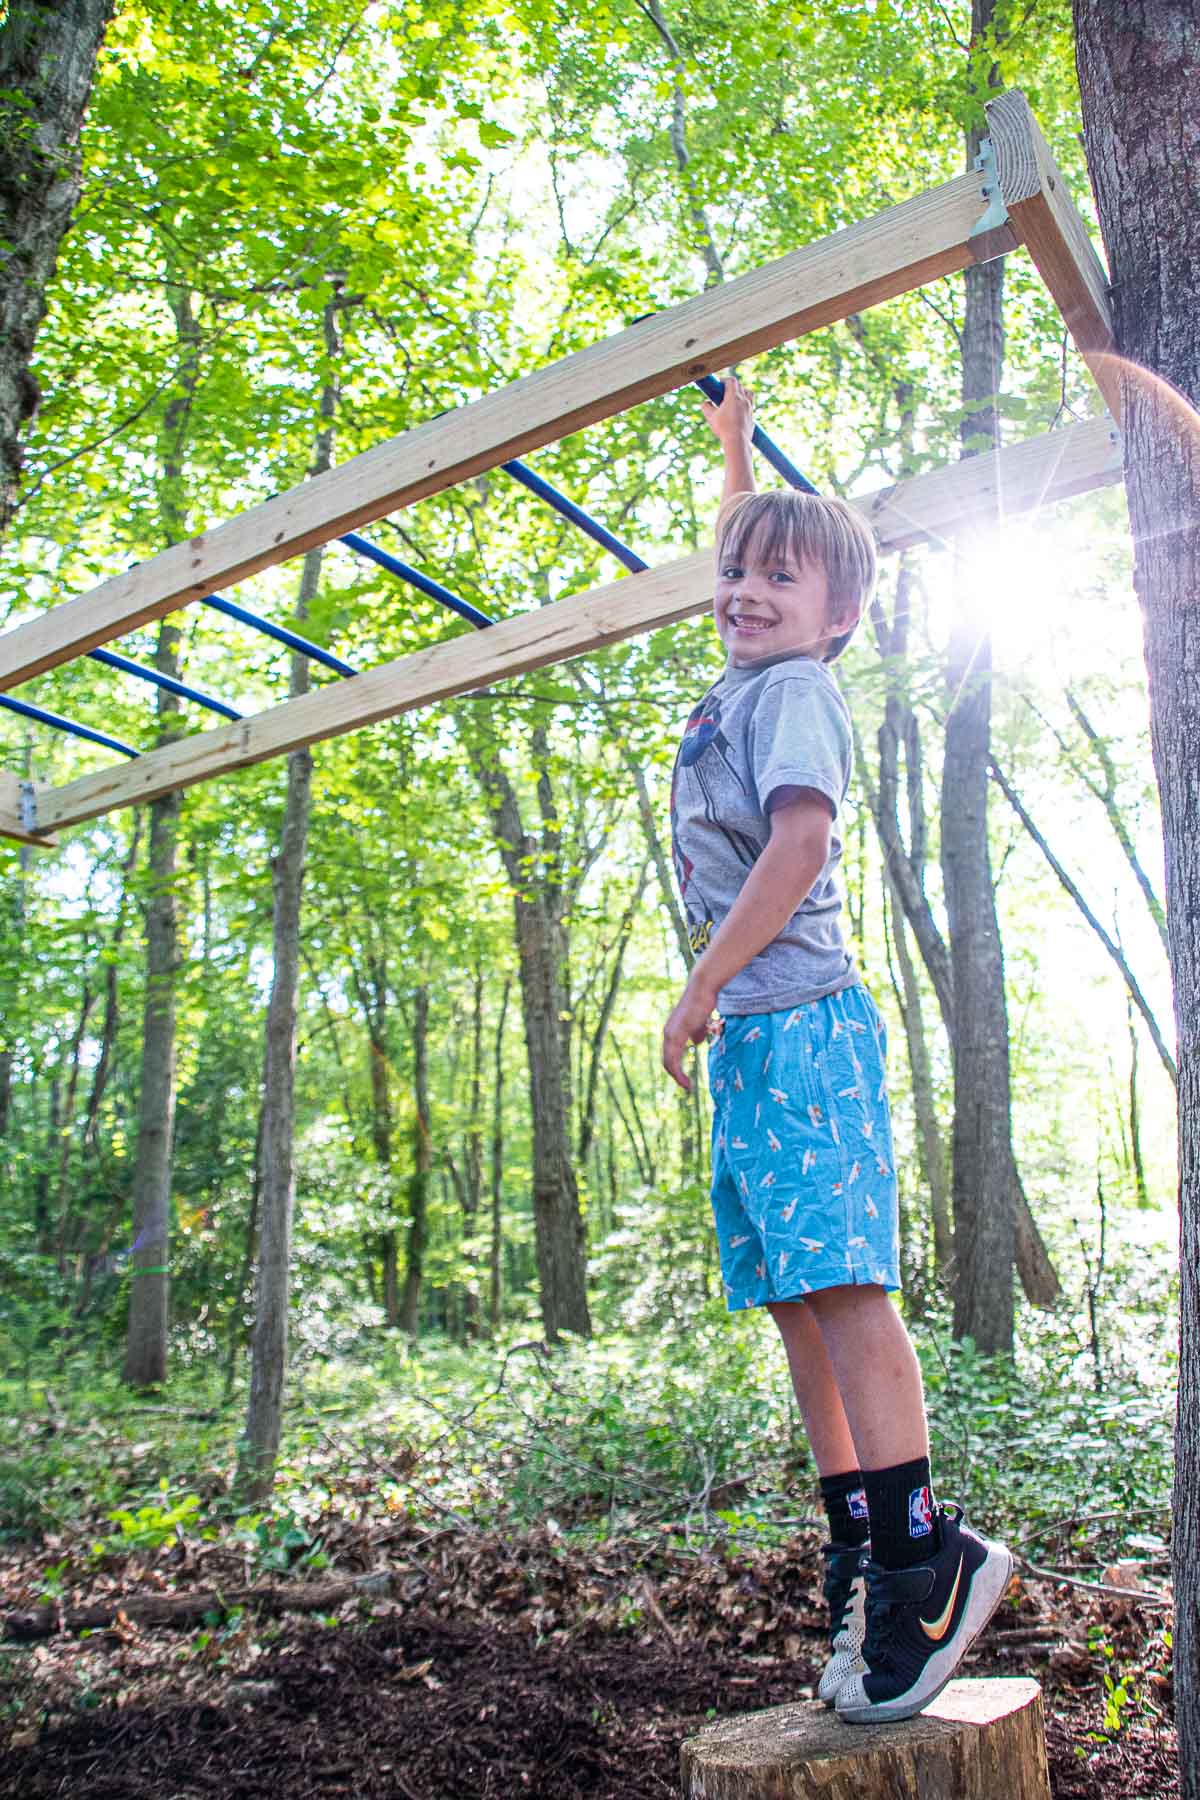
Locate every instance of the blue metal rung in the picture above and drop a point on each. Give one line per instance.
(568, 509)
(57, 723)
(414, 577)
(113, 661)
(713, 389)
(280, 633)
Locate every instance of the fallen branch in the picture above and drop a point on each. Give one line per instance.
(1092, 1587)
(189, 1609)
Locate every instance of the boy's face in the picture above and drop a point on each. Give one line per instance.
(774, 605)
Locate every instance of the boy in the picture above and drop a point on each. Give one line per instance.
(804, 1190)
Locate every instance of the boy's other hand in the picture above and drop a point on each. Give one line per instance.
(687, 1024)
(733, 420)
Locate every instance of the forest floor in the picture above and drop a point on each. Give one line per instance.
(469, 1664)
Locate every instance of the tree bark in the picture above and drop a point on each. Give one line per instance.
(931, 1154)
(1135, 1112)
(276, 1195)
(542, 949)
(90, 1141)
(1139, 75)
(149, 1293)
(47, 66)
(418, 1187)
(979, 1740)
(587, 1119)
(983, 1163)
(497, 1162)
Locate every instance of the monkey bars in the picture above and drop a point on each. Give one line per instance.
(1017, 195)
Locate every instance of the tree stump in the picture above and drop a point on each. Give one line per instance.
(979, 1740)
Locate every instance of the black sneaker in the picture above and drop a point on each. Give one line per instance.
(922, 1621)
(845, 1596)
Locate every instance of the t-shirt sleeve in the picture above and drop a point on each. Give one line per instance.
(799, 736)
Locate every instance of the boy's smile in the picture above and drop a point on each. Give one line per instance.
(770, 606)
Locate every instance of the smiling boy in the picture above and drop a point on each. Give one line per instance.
(804, 1187)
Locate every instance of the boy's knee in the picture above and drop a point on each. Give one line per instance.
(851, 1296)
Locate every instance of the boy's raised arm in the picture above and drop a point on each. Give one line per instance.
(733, 423)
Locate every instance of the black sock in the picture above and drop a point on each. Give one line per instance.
(903, 1521)
(846, 1507)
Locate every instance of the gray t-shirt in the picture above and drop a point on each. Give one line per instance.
(779, 723)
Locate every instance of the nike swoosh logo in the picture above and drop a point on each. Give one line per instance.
(937, 1630)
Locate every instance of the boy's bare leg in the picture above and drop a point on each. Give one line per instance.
(815, 1387)
(876, 1371)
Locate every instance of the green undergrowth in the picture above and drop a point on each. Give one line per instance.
(688, 1432)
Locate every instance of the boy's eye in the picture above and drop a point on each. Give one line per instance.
(731, 572)
(780, 575)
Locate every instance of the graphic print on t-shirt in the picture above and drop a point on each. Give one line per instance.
(702, 734)
(758, 729)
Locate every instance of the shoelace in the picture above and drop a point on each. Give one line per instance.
(841, 1566)
(881, 1610)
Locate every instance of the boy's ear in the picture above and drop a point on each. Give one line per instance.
(846, 617)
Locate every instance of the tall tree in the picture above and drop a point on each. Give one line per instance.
(47, 65)
(149, 1294)
(276, 1191)
(983, 1167)
(1139, 75)
(540, 901)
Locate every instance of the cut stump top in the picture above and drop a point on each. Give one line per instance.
(979, 1740)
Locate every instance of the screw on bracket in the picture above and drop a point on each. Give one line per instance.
(997, 213)
(27, 807)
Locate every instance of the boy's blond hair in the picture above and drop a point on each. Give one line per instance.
(809, 528)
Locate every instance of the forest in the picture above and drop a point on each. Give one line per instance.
(372, 1415)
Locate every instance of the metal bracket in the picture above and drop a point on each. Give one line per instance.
(27, 807)
(992, 233)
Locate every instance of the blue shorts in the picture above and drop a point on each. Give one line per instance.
(804, 1183)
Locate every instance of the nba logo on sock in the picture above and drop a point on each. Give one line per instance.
(857, 1502)
(920, 1512)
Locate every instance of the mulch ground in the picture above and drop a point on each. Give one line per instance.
(492, 1668)
(429, 1709)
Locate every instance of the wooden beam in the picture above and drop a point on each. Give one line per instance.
(983, 491)
(1040, 206)
(929, 507)
(12, 815)
(888, 254)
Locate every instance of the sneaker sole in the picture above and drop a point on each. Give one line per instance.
(987, 1591)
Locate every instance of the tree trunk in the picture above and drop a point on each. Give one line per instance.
(1139, 74)
(90, 1137)
(13, 949)
(62, 1208)
(931, 1155)
(979, 1740)
(276, 1196)
(542, 948)
(587, 1118)
(497, 1163)
(149, 1293)
(277, 1183)
(418, 1187)
(47, 65)
(1135, 1111)
(983, 1164)
(473, 1183)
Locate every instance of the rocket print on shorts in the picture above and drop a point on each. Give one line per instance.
(804, 1193)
